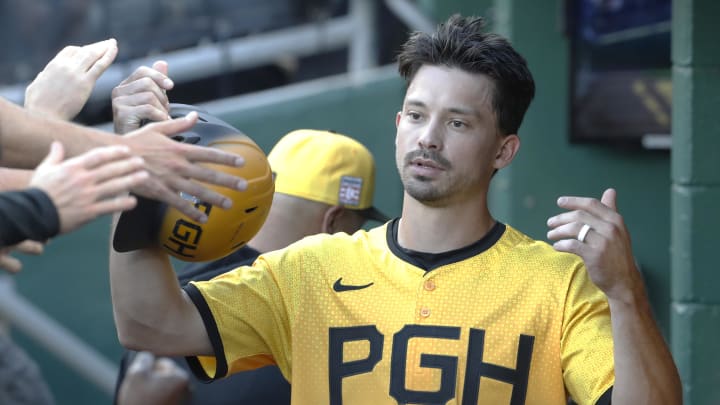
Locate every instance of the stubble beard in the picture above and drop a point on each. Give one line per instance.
(422, 188)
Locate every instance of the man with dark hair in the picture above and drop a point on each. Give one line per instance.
(442, 305)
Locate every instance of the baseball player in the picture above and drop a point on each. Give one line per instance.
(443, 305)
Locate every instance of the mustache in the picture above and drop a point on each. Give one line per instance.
(431, 155)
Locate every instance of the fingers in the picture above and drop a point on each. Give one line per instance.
(150, 105)
(10, 263)
(162, 67)
(106, 59)
(156, 76)
(29, 247)
(152, 91)
(115, 184)
(167, 368)
(157, 190)
(142, 363)
(601, 216)
(569, 230)
(113, 205)
(121, 169)
(175, 126)
(102, 155)
(201, 193)
(609, 198)
(175, 167)
(196, 153)
(55, 156)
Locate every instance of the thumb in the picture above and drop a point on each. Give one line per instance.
(609, 198)
(55, 156)
(177, 125)
(161, 66)
(142, 363)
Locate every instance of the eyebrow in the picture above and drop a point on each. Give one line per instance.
(455, 110)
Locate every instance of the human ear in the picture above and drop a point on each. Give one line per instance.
(331, 218)
(509, 146)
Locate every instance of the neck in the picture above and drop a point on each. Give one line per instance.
(440, 229)
(289, 220)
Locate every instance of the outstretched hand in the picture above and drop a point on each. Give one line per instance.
(89, 185)
(175, 167)
(605, 248)
(64, 85)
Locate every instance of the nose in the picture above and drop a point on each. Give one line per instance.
(431, 136)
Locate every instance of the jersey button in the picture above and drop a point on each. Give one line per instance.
(425, 312)
(430, 285)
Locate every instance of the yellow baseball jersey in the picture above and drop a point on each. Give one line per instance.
(355, 319)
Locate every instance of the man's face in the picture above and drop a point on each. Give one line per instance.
(447, 139)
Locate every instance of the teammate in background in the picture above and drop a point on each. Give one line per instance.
(424, 308)
(316, 173)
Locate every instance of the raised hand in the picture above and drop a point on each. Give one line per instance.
(12, 264)
(176, 167)
(595, 231)
(141, 97)
(64, 85)
(89, 185)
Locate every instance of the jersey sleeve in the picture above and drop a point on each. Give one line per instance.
(245, 317)
(587, 345)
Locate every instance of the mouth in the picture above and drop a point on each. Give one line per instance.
(426, 163)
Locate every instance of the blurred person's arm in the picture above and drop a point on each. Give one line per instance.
(63, 87)
(174, 167)
(14, 179)
(154, 381)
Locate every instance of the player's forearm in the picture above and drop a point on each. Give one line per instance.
(645, 372)
(151, 311)
(25, 137)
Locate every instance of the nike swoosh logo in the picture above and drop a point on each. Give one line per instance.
(340, 287)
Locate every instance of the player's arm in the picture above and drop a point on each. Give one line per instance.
(151, 311)
(644, 369)
(174, 167)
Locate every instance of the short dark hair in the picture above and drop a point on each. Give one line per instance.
(461, 43)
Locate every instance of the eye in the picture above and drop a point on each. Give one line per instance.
(457, 124)
(414, 115)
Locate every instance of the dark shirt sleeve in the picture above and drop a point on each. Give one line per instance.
(605, 398)
(27, 214)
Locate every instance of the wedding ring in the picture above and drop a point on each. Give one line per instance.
(583, 233)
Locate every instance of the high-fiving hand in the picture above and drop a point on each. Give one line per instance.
(64, 85)
(92, 184)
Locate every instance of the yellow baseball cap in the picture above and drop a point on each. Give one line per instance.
(326, 167)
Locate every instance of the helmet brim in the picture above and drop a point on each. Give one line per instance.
(138, 228)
